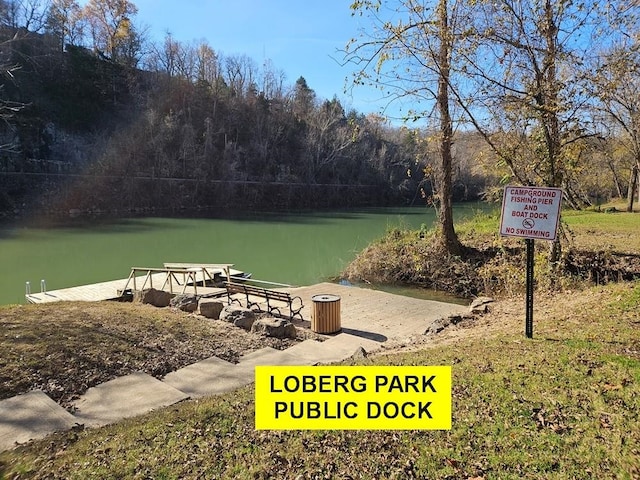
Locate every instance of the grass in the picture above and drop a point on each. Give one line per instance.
(563, 405)
(586, 229)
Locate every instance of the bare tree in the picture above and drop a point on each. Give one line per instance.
(614, 82)
(328, 138)
(526, 58)
(408, 52)
(164, 56)
(241, 74)
(34, 14)
(27, 14)
(272, 81)
(9, 108)
(65, 20)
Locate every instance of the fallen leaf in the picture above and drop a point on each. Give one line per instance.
(608, 387)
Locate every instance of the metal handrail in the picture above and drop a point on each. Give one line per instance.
(189, 274)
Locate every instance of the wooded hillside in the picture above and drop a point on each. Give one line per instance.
(93, 134)
(100, 120)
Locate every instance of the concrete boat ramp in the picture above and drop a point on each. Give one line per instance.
(370, 319)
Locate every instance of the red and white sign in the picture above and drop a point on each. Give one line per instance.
(530, 212)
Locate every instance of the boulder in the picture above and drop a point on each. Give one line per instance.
(274, 327)
(240, 316)
(210, 308)
(359, 354)
(437, 326)
(480, 305)
(454, 319)
(157, 298)
(185, 302)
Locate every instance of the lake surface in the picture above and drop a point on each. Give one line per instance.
(297, 249)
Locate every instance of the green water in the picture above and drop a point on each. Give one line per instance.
(298, 249)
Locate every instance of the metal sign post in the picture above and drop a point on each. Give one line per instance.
(530, 213)
(529, 301)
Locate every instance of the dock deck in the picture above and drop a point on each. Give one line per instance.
(174, 278)
(87, 293)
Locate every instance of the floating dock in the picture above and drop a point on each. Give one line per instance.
(199, 279)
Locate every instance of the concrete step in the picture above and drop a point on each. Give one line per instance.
(310, 352)
(31, 416)
(349, 343)
(124, 397)
(334, 349)
(269, 356)
(209, 377)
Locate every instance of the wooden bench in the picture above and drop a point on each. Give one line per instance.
(294, 303)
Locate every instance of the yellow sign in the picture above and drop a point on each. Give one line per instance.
(353, 398)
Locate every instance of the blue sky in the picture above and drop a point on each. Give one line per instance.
(300, 37)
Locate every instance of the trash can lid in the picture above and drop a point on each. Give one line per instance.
(325, 298)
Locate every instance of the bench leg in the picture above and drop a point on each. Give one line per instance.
(297, 312)
(249, 302)
(233, 300)
(272, 309)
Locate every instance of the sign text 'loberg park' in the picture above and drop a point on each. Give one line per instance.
(353, 397)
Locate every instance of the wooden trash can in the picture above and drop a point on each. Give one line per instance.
(325, 316)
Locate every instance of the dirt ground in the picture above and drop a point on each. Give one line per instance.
(504, 316)
(65, 348)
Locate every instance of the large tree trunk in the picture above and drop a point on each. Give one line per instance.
(449, 237)
(633, 186)
(616, 179)
(550, 101)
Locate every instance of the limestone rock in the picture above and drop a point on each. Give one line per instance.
(359, 354)
(151, 296)
(480, 305)
(463, 317)
(274, 327)
(437, 326)
(185, 302)
(210, 308)
(453, 319)
(240, 316)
